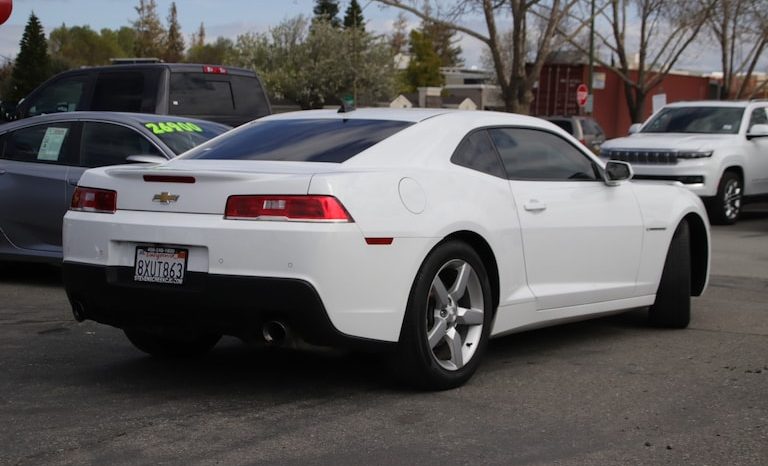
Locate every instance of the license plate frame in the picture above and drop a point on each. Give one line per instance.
(165, 265)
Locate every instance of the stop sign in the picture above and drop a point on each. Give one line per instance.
(582, 93)
(6, 6)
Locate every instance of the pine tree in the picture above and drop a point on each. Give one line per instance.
(150, 34)
(198, 38)
(174, 41)
(353, 17)
(424, 67)
(33, 64)
(443, 40)
(327, 10)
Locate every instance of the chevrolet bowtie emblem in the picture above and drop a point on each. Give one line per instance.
(165, 198)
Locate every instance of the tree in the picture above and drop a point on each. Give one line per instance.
(424, 67)
(740, 28)
(215, 53)
(665, 30)
(308, 62)
(444, 42)
(529, 48)
(398, 38)
(72, 47)
(174, 40)
(327, 11)
(150, 34)
(198, 38)
(33, 64)
(353, 17)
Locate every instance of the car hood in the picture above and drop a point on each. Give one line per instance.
(671, 141)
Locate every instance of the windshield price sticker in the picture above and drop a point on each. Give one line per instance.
(160, 265)
(173, 127)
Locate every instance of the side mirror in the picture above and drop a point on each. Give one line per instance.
(635, 128)
(616, 172)
(757, 131)
(145, 159)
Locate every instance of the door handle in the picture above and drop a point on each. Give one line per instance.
(534, 206)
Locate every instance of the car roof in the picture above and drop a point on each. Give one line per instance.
(136, 119)
(711, 103)
(174, 67)
(413, 115)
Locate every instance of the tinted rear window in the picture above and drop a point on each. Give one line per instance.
(300, 140)
(200, 94)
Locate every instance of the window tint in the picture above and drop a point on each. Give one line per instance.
(759, 117)
(61, 96)
(200, 94)
(42, 143)
(333, 140)
(181, 136)
(476, 152)
(723, 120)
(110, 144)
(250, 98)
(530, 154)
(565, 124)
(119, 92)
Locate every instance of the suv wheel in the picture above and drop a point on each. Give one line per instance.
(726, 206)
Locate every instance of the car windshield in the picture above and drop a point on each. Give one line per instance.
(181, 136)
(303, 140)
(719, 120)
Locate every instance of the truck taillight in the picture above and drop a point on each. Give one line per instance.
(208, 69)
(295, 208)
(94, 200)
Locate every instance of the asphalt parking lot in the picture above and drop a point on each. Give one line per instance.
(606, 391)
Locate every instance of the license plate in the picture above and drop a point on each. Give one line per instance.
(160, 264)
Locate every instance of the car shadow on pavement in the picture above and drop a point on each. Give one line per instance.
(37, 274)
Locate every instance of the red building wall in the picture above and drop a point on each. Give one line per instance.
(556, 95)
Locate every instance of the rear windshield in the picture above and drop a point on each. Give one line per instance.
(181, 136)
(305, 140)
(213, 94)
(723, 120)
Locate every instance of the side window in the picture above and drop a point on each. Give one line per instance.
(530, 154)
(591, 127)
(759, 117)
(64, 95)
(110, 144)
(42, 144)
(476, 152)
(119, 92)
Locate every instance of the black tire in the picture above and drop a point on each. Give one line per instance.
(725, 208)
(173, 345)
(442, 365)
(672, 308)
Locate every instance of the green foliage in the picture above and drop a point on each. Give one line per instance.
(72, 47)
(214, 54)
(174, 40)
(150, 34)
(424, 67)
(313, 63)
(353, 17)
(33, 64)
(327, 11)
(444, 43)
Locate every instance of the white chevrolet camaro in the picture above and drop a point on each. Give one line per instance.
(420, 232)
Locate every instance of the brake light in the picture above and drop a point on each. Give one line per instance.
(214, 69)
(168, 179)
(297, 208)
(94, 200)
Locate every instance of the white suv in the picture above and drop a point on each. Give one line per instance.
(718, 149)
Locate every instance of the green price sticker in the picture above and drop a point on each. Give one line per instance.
(173, 127)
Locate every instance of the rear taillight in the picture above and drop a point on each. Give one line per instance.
(94, 200)
(296, 208)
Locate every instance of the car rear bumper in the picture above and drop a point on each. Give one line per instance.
(230, 305)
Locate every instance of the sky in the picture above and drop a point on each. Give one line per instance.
(229, 18)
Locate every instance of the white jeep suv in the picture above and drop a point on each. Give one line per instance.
(718, 149)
